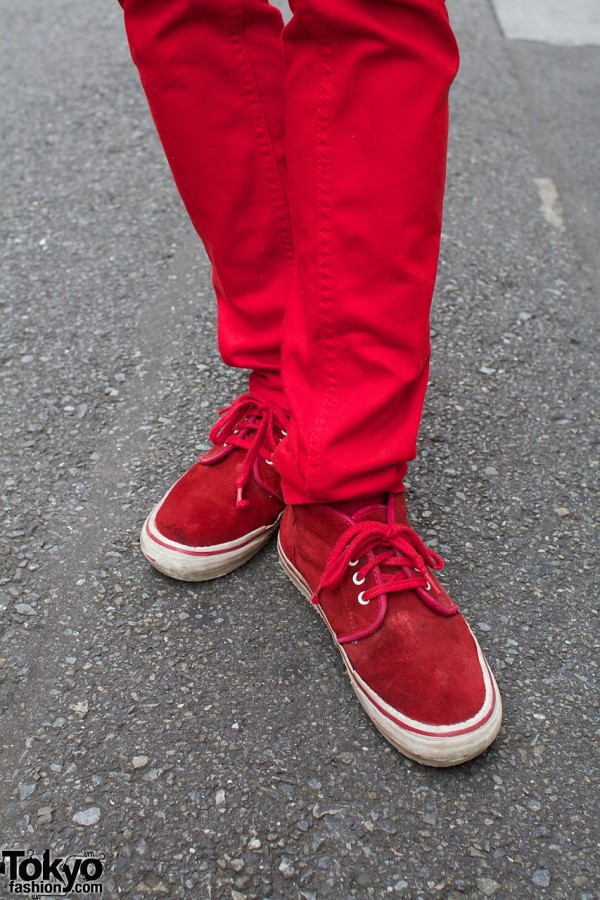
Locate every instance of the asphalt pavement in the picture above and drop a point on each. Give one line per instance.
(204, 738)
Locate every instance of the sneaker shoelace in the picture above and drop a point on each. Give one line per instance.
(253, 426)
(386, 545)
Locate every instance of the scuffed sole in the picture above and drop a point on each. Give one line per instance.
(200, 563)
(438, 746)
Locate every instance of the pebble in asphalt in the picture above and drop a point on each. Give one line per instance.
(204, 737)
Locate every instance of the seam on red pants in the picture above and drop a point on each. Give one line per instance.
(324, 260)
(265, 142)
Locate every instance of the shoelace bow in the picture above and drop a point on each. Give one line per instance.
(251, 425)
(393, 545)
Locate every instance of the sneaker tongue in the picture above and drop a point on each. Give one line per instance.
(354, 506)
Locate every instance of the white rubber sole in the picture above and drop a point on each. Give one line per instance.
(199, 563)
(432, 745)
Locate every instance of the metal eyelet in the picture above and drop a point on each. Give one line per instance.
(354, 562)
(361, 599)
(357, 580)
(269, 462)
(427, 586)
(284, 433)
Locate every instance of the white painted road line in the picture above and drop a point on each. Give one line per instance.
(567, 23)
(550, 203)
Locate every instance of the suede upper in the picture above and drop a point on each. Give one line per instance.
(419, 659)
(234, 489)
(200, 510)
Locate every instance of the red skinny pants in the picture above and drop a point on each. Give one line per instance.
(311, 160)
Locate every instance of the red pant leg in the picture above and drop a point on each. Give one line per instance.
(212, 71)
(367, 121)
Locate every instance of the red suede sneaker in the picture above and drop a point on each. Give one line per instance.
(225, 508)
(413, 662)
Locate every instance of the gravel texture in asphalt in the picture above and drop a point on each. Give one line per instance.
(205, 738)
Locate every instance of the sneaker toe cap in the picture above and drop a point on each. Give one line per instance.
(200, 509)
(427, 667)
